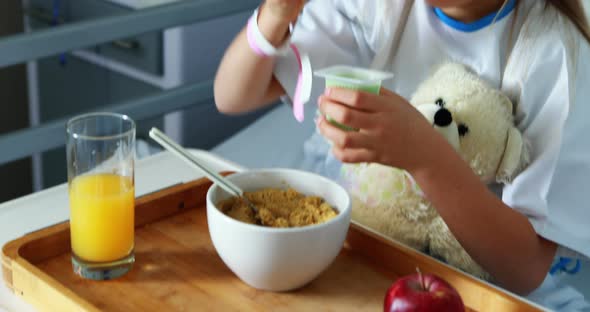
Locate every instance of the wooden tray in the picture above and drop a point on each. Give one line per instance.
(177, 269)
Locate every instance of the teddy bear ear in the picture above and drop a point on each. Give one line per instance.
(515, 158)
(507, 103)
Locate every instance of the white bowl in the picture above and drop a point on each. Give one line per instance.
(279, 259)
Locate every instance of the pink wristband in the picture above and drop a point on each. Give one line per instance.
(261, 47)
(251, 41)
(297, 101)
(258, 43)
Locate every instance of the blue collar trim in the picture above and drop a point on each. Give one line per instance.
(479, 24)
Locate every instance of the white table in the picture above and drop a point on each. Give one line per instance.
(50, 206)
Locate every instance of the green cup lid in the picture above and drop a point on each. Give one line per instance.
(353, 75)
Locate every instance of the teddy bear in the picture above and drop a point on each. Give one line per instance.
(477, 120)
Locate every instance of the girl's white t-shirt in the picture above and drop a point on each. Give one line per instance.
(552, 105)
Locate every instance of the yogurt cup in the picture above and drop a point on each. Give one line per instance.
(354, 78)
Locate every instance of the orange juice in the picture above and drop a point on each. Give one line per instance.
(102, 217)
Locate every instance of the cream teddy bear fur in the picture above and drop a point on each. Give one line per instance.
(477, 121)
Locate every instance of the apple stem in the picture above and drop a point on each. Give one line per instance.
(421, 279)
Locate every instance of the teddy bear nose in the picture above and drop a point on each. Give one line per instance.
(443, 117)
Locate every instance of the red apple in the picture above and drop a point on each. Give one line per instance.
(422, 292)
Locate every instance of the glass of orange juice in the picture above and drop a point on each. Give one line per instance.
(100, 155)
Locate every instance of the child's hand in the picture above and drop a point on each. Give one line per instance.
(392, 132)
(285, 10)
(276, 16)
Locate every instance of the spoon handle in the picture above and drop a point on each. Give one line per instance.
(179, 151)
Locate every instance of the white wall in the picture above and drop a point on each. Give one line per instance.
(580, 280)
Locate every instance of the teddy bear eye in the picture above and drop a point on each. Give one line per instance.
(463, 129)
(440, 102)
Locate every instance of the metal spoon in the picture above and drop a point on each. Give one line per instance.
(218, 179)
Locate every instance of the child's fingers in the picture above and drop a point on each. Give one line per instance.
(387, 92)
(346, 115)
(358, 155)
(385, 101)
(360, 100)
(342, 138)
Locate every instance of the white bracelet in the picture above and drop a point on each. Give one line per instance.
(259, 43)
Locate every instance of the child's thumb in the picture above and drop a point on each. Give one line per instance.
(386, 92)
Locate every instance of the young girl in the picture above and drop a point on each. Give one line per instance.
(536, 51)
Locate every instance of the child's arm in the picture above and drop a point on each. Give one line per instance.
(244, 80)
(500, 239)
